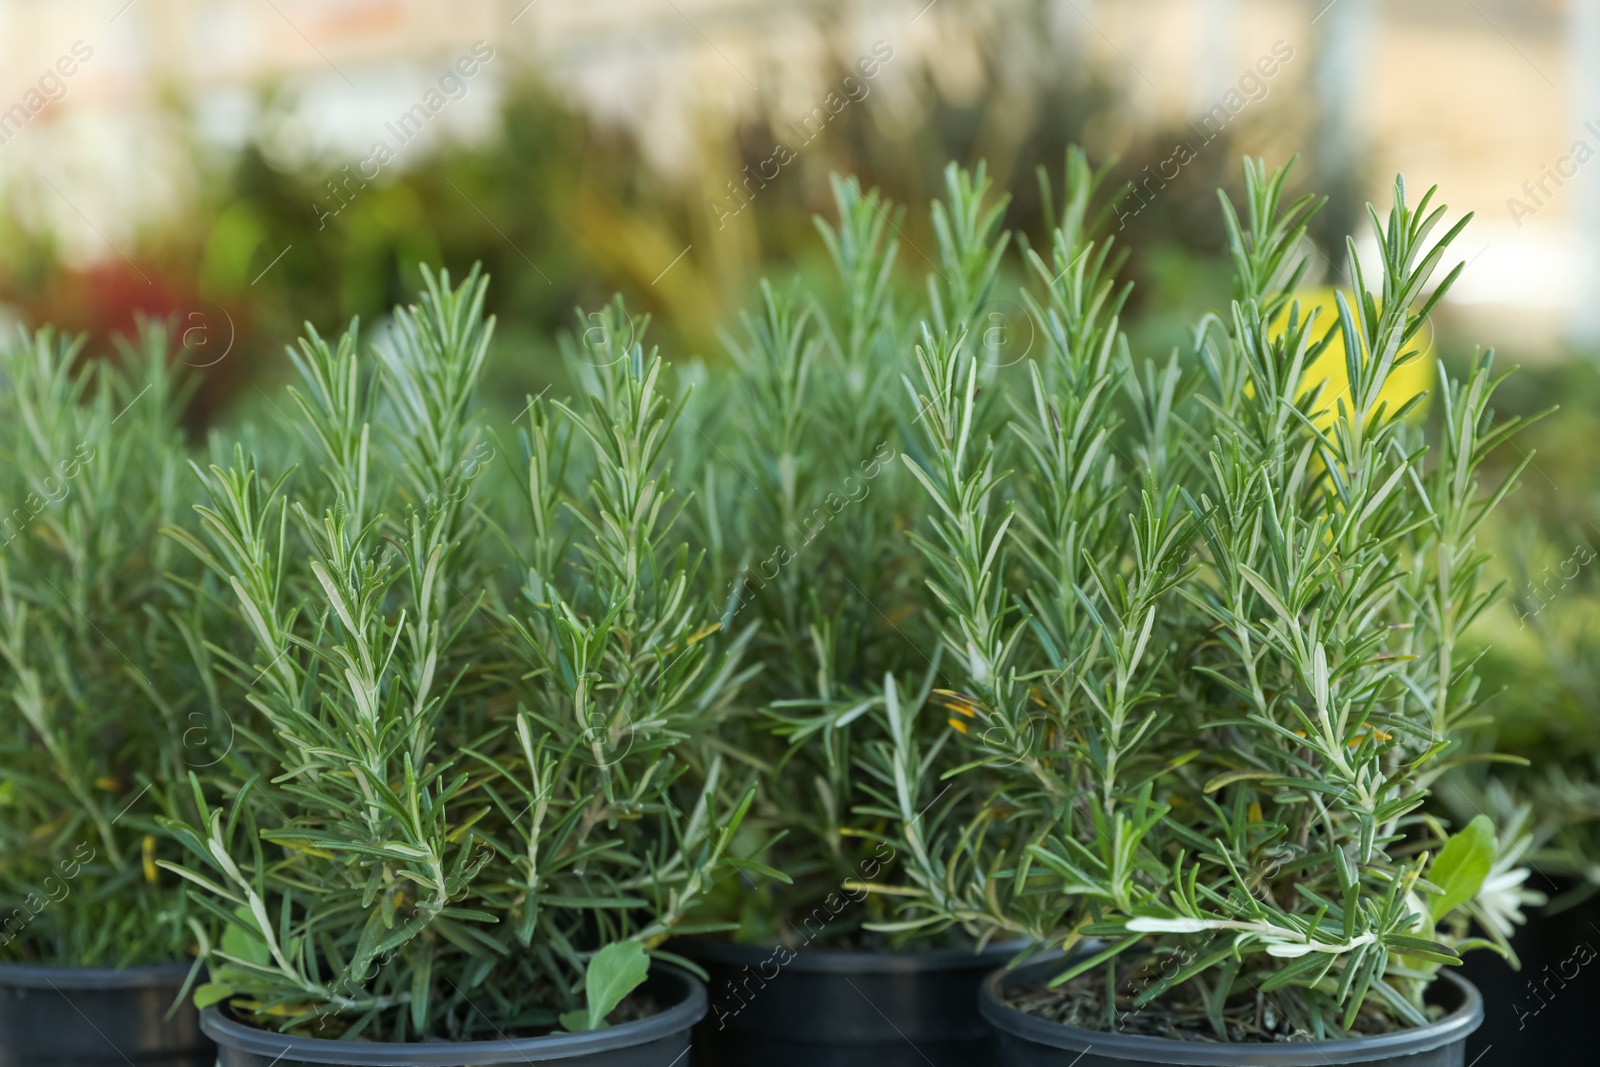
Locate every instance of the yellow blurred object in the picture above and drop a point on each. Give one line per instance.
(150, 858)
(1414, 379)
(1371, 731)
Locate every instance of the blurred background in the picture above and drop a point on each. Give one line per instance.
(255, 163)
(244, 166)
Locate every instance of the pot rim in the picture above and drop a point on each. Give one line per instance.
(1455, 1026)
(38, 976)
(231, 1034)
(704, 948)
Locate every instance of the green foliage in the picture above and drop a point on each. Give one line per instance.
(1166, 654)
(1207, 627)
(1539, 644)
(1461, 866)
(613, 973)
(805, 506)
(459, 787)
(105, 712)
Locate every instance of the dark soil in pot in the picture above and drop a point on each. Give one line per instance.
(1548, 1012)
(1029, 1041)
(801, 1007)
(94, 1017)
(659, 1040)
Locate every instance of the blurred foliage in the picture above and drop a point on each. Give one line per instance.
(1539, 642)
(103, 710)
(564, 212)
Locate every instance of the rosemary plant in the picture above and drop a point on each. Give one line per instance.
(102, 717)
(1207, 627)
(452, 814)
(805, 505)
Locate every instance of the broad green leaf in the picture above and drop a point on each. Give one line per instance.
(211, 993)
(242, 945)
(614, 972)
(1461, 866)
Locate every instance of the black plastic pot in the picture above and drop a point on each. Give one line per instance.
(1029, 1041)
(808, 1006)
(95, 1017)
(662, 1040)
(1545, 1012)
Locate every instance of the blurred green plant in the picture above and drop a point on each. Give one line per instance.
(1537, 642)
(565, 210)
(105, 712)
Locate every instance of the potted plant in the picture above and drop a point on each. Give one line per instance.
(1208, 627)
(104, 713)
(806, 504)
(467, 801)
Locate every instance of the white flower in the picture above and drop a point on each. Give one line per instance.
(1501, 899)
